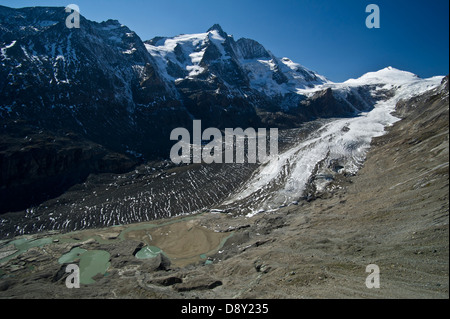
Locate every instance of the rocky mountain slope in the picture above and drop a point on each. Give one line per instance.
(393, 213)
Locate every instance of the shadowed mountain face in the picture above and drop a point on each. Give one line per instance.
(83, 80)
(68, 102)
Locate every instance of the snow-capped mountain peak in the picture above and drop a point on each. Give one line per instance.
(244, 62)
(388, 75)
(216, 27)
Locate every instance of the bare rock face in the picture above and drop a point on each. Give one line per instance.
(251, 49)
(325, 104)
(37, 165)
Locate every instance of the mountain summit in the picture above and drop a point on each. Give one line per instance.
(243, 64)
(218, 28)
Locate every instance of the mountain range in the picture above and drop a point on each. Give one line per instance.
(103, 82)
(99, 99)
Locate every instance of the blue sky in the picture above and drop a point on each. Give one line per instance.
(327, 36)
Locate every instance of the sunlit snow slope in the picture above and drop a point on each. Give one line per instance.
(215, 54)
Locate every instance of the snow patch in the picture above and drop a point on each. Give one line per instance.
(131, 51)
(193, 46)
(3, 50)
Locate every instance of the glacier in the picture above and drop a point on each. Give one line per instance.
(283, 179)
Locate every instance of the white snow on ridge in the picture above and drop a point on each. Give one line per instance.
(387, 75)
(261, 73)
(131, 51)
(3, 50)
(218, 41)
(193, 49)
(193, 46)
(298, 67)
(387, 78)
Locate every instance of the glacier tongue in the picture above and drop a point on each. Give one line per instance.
(283, 179)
